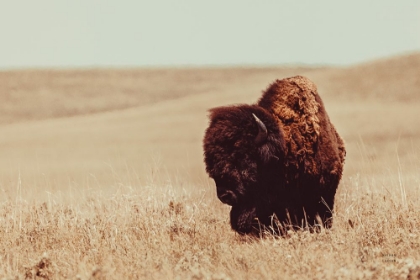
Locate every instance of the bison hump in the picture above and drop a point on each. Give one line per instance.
(293, 103)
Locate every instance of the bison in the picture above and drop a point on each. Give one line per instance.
(278, 162)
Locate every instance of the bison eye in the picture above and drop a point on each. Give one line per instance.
(224, 183)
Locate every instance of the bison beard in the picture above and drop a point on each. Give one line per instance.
(278, 162)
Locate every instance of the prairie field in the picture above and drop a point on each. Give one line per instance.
(102, 175)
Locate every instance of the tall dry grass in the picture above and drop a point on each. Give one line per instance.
(164, 231)
(123, 194)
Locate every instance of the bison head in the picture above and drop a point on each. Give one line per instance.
(241, 145)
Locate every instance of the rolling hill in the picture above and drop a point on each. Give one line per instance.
(102, 176)
(78, 126)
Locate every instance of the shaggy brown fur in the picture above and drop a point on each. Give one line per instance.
(293, 174)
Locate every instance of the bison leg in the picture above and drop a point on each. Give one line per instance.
(325, 209)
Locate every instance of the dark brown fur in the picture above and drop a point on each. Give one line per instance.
(293, 175)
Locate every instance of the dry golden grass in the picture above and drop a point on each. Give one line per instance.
(102, 177)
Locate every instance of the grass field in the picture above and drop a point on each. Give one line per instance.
(102, 176)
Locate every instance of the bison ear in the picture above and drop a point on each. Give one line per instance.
(262, 131)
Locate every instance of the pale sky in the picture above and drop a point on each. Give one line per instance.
(57, 33)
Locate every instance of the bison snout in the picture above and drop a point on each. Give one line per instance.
(226, 196)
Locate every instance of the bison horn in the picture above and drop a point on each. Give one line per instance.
(262, 131)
